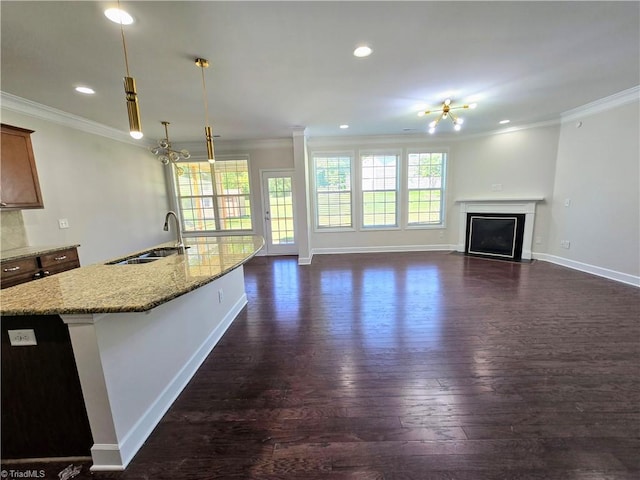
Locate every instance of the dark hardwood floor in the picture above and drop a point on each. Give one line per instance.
(410, 366)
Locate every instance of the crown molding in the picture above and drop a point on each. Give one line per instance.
(21, 105)
(27, 107)
(388, 140)
(418, 139)
(607, 103)
(248, 144)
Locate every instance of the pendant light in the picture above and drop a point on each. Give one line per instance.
(165, 153)
(133, 110)
(202, 63)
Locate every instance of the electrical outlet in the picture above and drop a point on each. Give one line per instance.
(22, 338)
(567, 202)
(538, 240)
(565, 244)
(220, 296)
(63, 223)
(496, 187)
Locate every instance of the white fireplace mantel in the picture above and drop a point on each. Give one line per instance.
(524, 205)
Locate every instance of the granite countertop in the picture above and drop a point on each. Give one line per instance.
(24, 252)
(103, 288)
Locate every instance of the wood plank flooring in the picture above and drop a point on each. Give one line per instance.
(410, 366)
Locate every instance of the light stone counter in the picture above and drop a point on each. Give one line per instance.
(105, 288)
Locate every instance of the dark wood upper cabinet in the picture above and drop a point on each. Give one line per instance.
(20, 187)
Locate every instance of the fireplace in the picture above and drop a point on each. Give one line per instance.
(497, 214)
(496, 235)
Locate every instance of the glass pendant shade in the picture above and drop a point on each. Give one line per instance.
(164, 151)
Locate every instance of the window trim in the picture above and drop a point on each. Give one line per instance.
(399, 194)
(443, 190)
(176, 205)
(314, 198)
(402, 187)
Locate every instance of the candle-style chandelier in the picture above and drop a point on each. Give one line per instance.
(164, 151)
(446, 112)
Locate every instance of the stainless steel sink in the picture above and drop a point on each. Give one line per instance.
(150, 256)
(161, 252)
(134, 261)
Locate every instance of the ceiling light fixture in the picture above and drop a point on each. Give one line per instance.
(202, 63)
(85, 90)
(445, 112)
(344, 126)
(116, 15)
(164, 151)
(362, 51)
(133, 109)
(504, 122)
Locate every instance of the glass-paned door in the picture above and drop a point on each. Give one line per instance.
(279, 214)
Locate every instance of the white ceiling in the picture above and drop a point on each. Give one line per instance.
(277, 65)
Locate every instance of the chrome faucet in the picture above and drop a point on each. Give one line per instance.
(180, 243)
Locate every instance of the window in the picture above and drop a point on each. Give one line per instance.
(379, 190)
(425, 175)
(214, 197)
(332, 173)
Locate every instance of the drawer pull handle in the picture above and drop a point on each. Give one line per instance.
(46, 273)
(61, 257)
(3, 204)
(11, 269)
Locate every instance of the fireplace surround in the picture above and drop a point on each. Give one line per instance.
(524, 208)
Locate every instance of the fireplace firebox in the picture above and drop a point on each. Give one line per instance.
(508, 206)
(496, 235)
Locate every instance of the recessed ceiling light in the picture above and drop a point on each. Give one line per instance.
(344, 126)
(362, 51)
(504, 122)
(85, 90)
(118, 16)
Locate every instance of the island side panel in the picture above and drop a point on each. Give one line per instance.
(146, 359)
(43, 412)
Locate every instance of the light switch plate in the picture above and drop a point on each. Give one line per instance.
(22, 338)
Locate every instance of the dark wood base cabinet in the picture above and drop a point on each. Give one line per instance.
(43, 412)
(23, 270)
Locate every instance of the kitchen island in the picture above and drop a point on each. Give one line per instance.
(139, 331)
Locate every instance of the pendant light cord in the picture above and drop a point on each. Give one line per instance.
(124, 44)
(204, 94)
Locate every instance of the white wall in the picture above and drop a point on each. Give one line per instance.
(112, 193)
(263, 155)
(523, 164)
(598, 171)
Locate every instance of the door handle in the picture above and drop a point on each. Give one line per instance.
(267, 216)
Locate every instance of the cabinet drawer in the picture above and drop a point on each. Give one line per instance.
(14, 272)
(60, 261)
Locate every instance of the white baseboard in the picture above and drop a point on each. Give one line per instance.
(587, 268)
(383, 249)
(117, 457)
(305, 260)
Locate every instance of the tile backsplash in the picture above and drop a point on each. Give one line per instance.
(12, 231)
